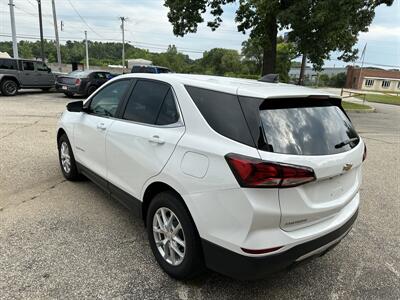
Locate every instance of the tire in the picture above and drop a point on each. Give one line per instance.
(68, 165)
(192, 262)
(9, 87)
(91, 89)
(69, 94)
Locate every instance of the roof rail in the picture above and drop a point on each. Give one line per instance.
(272, 78)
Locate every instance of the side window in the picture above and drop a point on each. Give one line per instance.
(8, 64)
(41, 67)
(145, 101)
(106, 101)
(223, 113)
(28, 66)
(168, 113)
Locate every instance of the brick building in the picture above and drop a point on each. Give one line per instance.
(373, 80)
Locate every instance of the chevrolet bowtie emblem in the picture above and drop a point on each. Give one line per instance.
(347, 167)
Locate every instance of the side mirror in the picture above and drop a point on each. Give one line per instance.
(76, 106)
(48, 70)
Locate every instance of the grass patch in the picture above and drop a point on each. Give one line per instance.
(350, 105)
(380, 98)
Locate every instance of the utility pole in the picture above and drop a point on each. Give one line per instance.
(13, 31)
(41, 28)
(56, 34)
(360, 81)
(87, 51)
(123, 19)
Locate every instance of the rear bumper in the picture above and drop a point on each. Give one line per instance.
(243, 267)
(70, 88)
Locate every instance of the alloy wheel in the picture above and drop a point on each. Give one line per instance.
(169, 236)
(65, 157)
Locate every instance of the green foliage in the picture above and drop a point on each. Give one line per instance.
(316, 27)
(328, 25)
(338, 80)
(285, 53)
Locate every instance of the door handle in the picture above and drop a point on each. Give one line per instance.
(101, 126)
(156, 139)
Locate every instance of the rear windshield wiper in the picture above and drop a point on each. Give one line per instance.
(346, 142)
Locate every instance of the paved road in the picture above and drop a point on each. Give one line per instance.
(69, 240)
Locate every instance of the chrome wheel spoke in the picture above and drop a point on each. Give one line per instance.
(176, 229)
(179, 241)
(176, 250)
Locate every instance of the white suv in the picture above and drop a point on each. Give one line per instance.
(239, 176)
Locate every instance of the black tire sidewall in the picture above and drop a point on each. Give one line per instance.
(91, 89)
(193, 263)
(73, 173)
(3, 90)
(68, 94)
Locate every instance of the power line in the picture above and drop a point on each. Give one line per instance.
(83, 20)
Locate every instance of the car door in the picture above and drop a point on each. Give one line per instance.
(92, 126)
(43, 74)
(28, 74)
(140, 143)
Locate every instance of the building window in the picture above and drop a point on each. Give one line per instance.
(386, 84)
(369, 82)
(398, 85)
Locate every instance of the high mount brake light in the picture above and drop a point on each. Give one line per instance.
(256, 173)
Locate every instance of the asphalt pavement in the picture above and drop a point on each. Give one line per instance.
(61, 239)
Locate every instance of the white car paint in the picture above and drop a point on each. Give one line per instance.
(190, 159)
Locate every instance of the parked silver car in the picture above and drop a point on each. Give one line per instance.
(18, 74)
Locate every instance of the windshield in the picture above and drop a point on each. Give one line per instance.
(311, 130)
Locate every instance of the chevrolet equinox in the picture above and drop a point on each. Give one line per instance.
(238, 176)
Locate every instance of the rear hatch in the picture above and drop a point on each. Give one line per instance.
(311, 132)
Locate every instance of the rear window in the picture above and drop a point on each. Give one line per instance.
(305, 127)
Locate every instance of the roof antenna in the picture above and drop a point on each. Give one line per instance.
(272, 78)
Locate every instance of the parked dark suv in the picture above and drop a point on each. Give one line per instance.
(149, 69)
(82, 82)
(18, 74)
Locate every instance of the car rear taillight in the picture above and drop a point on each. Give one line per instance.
(256, 173)
(77, 81)
(365, 152)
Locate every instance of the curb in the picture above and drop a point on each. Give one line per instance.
(369, 110)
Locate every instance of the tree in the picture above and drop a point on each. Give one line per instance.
(252, 50)
(285, 53)
(320, 27)
(219, 61)
(316, 26)
(258, 17)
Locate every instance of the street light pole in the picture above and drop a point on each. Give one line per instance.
(87, 51)
(41, 28)
(123, 19)
(13, 31)
(56, 34)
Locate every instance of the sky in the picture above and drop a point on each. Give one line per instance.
(148, 27)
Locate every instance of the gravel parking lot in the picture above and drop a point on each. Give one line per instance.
(60, 239)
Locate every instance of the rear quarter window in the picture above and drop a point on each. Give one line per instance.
(223, 113)
(8, 64)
